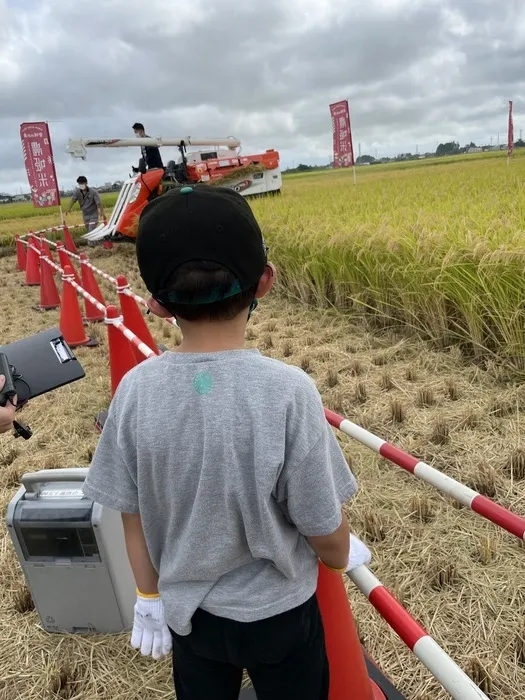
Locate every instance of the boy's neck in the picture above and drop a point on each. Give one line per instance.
(201, 337)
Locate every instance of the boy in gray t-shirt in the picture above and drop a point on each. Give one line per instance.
(229, 479)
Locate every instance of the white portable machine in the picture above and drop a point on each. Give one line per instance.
(73, 554)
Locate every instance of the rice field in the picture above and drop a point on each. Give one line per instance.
(370, 337)
(439, 250)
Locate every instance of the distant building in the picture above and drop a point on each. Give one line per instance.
(475, 149)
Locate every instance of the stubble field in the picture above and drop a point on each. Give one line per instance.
(455, 403)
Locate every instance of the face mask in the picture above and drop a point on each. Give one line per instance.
(82, 187)
(138, 135)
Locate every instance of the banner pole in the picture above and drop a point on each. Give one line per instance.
(355, 176)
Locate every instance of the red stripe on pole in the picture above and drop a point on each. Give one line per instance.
(402, 459)
(500, 516)
(396, 616)
(333, 418)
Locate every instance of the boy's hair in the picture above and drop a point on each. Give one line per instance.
(82, 180)
(137, 126)
(201, 280)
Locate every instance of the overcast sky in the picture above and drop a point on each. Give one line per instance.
(416, 72)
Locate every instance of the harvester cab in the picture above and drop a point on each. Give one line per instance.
(216, 162)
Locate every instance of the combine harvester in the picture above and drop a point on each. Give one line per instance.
(219, 163)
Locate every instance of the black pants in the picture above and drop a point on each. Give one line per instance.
(285, 657)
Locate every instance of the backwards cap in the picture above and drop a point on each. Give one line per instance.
(202, 223)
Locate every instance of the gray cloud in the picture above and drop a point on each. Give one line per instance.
(415, 72)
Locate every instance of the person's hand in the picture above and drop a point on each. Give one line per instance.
(7, 412)
(150, 632)
(359, 553)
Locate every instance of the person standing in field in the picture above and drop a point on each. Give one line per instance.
(229, 479)
(90, 203)
(150, 154)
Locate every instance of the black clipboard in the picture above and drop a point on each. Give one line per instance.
(42, 362)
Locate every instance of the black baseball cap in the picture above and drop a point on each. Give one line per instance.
(199, 223)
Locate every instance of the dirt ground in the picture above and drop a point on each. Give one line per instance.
(460, 576)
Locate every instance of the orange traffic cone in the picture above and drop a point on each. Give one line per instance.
(64, 260)
(348, 673)
(36, 240)
(21, 256)
(90, 285)
(134, 319)
(32, 272)
(49, 298)
(68, 240)
(44, 247)
(71, 324)
(121, 357)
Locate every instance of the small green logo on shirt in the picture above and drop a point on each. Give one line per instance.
(203, 383)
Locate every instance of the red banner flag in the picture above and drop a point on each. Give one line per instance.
(39, 164)
(342, 135)
(510, 139)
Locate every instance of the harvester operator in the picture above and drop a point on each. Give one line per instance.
(151, 157)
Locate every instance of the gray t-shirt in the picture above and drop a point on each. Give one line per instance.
(89, 201)
(230, 462)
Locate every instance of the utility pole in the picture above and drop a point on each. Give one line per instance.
(359, 150)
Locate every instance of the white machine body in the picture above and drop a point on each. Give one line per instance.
(73, 554)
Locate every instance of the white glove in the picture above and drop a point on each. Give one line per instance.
(359, 553)
(150, 632)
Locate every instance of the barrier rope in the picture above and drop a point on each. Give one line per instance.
(53, 229)
(417, 639)
(488, 509)
(125, 290)
(117, 322)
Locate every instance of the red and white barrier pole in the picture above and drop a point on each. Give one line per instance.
(481, 505)
(417, 639)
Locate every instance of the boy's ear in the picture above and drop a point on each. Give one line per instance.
(157, 309)
(267, 281)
